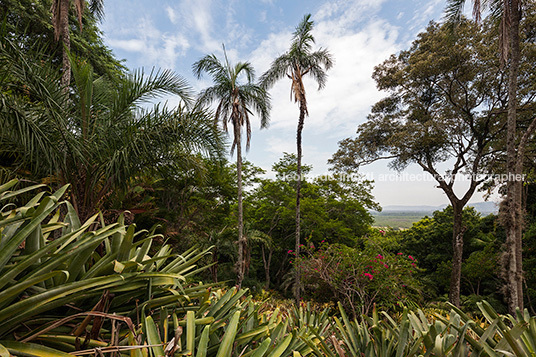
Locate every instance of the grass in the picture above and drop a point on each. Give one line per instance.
(397, 219)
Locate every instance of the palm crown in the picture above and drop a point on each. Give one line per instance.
(300, 61)
(104, 133)
(234, 99)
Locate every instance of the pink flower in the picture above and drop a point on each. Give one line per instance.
(368, 275)
(410, 257)
(289, 252)
(398, 253)
(379, 256)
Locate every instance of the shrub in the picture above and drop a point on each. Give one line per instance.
(359, 279)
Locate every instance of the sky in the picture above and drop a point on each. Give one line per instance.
(360, 34)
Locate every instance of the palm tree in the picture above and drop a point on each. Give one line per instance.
(60, 21)
(510, 12)
(234, 103)
(296, 63)
(101, 137)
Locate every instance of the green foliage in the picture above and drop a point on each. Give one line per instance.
(70, 286)
(300, 60)
(437, 90)
(29, 22)
(333, 208)
(235, 100)
(102, 135)
(429, 241)
(50, 265)
(58, 272)
(359, 279)
(423, 333)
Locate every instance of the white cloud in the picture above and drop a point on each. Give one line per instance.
(134, 45)
(172, 15)
(346, 14)
(425, 13)
(262, 16)
(359, 33)
(349, 92)
(153, 47)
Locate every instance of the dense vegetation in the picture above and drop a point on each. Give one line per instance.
(125, 230)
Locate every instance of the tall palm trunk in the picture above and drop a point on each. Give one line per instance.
(514, 268)
(66, 42)
(301, 122)
(240, 264)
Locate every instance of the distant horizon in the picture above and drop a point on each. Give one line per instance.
(424, 208)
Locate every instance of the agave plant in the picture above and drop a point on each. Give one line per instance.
(413, 334)
(504, 335)
(52, 267)
(226, 324)
(72, 287)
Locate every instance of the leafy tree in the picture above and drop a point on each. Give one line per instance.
(428, 241)
(444, 107)
(191, 204)
(100, 138)
(510, 13)
(296, 63)
(235, 102)
(333, 209)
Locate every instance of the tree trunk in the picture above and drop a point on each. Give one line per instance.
(240, 264)
(66, 41)
(457, 252)
(298, 193)
(514, 270)
(267, 261)
(214, 267)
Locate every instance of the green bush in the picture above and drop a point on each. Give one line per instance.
(359, 279)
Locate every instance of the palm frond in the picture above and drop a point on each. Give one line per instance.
(302, 39)
(211, 65)
(280, 68)
(247, 69)
(454, 11)
(138, 88)
(96, 7)
(34, 111)
(259, 100)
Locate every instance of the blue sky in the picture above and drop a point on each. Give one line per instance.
(359, 33)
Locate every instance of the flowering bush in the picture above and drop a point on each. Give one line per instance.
(358, 279)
